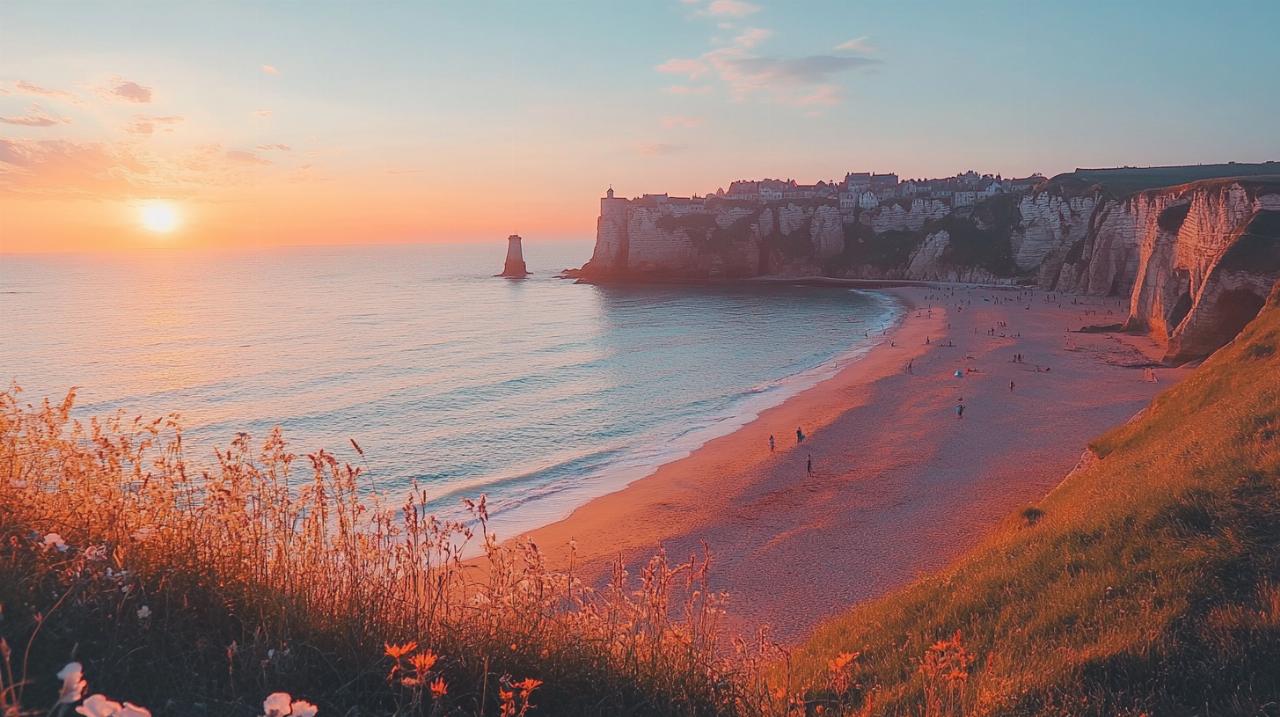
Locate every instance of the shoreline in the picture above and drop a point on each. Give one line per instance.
(880, 439)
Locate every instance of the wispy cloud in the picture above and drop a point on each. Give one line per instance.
(752, 36)
(731, 8)
(239, 155)
(653, 149)
(270, 70)
(277, 147)
(127, 91)
(22, 87)
(681, 121)
(688, 89)
(35, 117)
(683, 66)
(262, 114)
(144, 124)
(860, 45)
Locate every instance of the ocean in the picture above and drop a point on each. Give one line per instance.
(540, 393)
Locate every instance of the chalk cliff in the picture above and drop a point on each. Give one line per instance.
(1196, 260)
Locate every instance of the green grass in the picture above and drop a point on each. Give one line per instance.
(1147, 583)
(1123, 181)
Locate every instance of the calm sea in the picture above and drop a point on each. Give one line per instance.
(539, 393)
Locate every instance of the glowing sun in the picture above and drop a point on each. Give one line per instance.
(160, 217)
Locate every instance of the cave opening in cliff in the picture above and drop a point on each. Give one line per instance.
(1179, 311)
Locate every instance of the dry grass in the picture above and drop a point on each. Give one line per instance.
(200, 592)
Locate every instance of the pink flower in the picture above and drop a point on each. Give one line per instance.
(277, 704)
(100, 706)
(280, 704)
(53, 540)
(73, 683)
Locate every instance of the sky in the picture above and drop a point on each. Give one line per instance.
(261, 124)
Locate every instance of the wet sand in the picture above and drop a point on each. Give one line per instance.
(900, 484)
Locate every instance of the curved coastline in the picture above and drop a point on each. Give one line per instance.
(900, 486)
(625, 469)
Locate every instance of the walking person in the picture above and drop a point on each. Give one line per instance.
(959, 410)
(799, 436)
(771, 443)
(808, 465)
(1011, 387)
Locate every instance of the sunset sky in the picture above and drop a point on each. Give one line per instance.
(250, 124)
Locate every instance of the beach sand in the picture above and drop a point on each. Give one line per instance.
(900, 484)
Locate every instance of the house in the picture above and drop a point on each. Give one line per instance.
(964, 198)
(868, 200)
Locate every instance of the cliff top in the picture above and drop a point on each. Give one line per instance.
(1124, 181)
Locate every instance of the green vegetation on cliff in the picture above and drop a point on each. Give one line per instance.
(1147, 583)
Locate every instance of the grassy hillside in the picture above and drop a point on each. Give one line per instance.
(1147, 583)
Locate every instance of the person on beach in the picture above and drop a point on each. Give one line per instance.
(808, 465)
(959, 410)
(909, 362)
(771, 443)
(799, 436)
(1011, 387)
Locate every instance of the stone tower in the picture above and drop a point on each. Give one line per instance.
(514, 268)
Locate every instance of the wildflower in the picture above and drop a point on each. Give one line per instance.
(438, 688)
(95, 552)
(277, 704)
(144, 612)
(302, 708)
(395, 652)
(53, 540)
(73, 683)
(423, 662)
(100, 706)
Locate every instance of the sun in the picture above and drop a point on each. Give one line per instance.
(160, 217)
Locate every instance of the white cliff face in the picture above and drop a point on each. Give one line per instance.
(1050, 223)
(893, 217)
(1170, 250)
(1201, 273)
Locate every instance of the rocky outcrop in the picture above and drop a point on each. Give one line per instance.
(1196, 260)
(514, 267)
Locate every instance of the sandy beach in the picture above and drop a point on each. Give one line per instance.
(900, 484)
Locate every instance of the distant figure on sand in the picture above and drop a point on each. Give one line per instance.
(959, 410)
(771, 444)
(1011, 386)
(808, 465)
(799, 436)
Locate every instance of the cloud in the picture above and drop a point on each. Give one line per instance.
(23, 87)
(811, 69)
(858, 45)
(683, 66)
(270, 70)
(143, 124)
(731, 8)
(63, 168)
(277, 147)
(128, 91)
(35, 117)
(241, 156)
(653, 149)
(680, 121)
(688, 90)
(752, 36)
(263, 114)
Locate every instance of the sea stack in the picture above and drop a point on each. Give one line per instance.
(514, 268)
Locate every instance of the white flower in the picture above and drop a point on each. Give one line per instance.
(302, 708)
(144, 612)
(53, 540)
(277, 704)
(95, 552)
(73, 683)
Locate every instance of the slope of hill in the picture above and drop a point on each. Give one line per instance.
(1148, 582)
